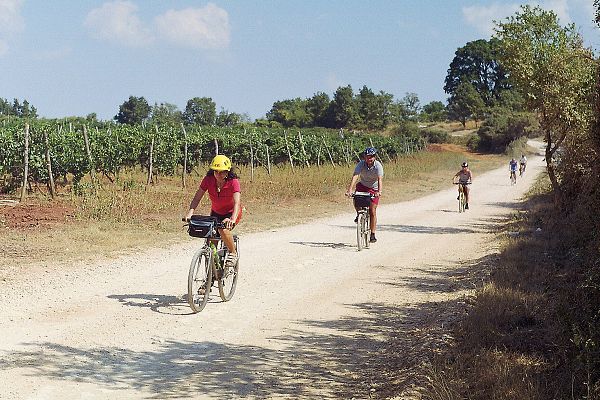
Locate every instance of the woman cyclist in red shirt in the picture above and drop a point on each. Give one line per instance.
(223, 187)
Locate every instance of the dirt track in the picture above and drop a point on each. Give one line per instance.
(311, 318)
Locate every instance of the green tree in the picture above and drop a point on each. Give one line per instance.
(292, 112)
(434, 111)
(342, 110)
(412, 105)
(465, 103)
(200, 111)
(317, 107)
(478, 63)
(554, 72)
(227, 119)
(133, 111)
(166, 114)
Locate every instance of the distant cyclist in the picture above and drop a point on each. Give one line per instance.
(367, 177)
(512, 166)
(465, 177)
(223, 187)
(522, 164)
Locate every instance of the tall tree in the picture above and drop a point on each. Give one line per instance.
(465, 103)
(478, 63)
(342, 110)
(200, 111)
(434, 111)
(292, 112)
(317, 107)
(133, 111)
(166, 113)
(553, 70)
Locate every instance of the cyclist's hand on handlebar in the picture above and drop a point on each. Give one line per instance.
(228, 223)
(348, 194)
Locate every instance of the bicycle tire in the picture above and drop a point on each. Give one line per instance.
(359, 230)
(228, 281)
(200, 277)
(367, 230)
(513, 178)
(461, 201)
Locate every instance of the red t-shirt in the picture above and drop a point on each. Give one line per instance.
(221, 202)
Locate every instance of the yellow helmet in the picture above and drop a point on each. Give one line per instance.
(220, 163)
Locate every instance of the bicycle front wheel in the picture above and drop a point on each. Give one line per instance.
(361, 235)
(200, 280)
(228, 281)
(461, 201)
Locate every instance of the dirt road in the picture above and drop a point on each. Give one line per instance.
(311, 318)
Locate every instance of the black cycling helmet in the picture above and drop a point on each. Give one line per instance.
(465, 164)
(370, 151)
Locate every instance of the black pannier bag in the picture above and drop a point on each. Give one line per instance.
(202, 226)
(362, 201)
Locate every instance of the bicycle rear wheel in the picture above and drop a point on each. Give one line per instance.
(367, 230)
(228, 281)
(200, 280)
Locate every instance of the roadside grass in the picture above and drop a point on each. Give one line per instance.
(517, 339)
(128, 215)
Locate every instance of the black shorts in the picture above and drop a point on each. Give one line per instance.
(221, 217)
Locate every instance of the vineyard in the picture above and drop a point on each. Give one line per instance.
(53, 150)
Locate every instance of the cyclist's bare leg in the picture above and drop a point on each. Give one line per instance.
(373, 216)
(466, 189)
(227, 238)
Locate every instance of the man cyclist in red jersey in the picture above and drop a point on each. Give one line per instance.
(367, 177)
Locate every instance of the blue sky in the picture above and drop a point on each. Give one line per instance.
(75, 57)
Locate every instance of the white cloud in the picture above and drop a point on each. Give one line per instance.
(482, 17)
(117, 21)
(11, 22)
(206, 27)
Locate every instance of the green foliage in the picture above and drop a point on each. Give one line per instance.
(465, 103)
(434, 112)
(435, 135)
(200, 111)
(503, 127)
(133, 111)
(118, 146)
(478, 64)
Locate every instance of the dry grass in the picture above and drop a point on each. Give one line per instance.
(128, 215)
(518, 339)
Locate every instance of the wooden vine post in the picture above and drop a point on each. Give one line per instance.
(303, 149)
(151, 158)
(328, 152)
(49, 166)
(251, 158)
(268, 160)
(185, 155)
(86, 140)
(25, 163)
(287, 146)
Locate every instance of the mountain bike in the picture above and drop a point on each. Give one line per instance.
(513, 177)
(208, 263)
(362, 201)
(462, 198)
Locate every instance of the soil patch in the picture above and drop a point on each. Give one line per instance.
(35, 214)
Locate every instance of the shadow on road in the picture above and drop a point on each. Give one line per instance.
(379, 351)
(436, 230)
(326, 244)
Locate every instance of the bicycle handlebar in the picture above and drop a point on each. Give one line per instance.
(218, 225)
(462, 183)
